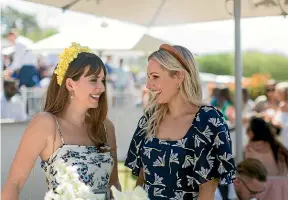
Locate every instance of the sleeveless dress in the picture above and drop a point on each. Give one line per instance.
(174, 169)
(94, 167)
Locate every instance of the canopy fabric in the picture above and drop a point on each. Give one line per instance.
(116, 36)
(169, 12)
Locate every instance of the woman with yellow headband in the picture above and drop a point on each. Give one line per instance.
(181, 149)
(73, 129)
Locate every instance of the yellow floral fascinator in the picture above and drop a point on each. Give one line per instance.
(66, 58)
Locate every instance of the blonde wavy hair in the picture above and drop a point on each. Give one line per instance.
(180, 60)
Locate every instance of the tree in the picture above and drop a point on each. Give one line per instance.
(12, 18)
(253, 63)
(25, 23)
(220, 64)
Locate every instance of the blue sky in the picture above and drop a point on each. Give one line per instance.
(266, 34)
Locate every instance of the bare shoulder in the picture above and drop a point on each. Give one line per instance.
(109, 125)
(44, 118)
(43, 123)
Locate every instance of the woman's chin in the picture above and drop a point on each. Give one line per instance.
(160, 101)
(93, 105)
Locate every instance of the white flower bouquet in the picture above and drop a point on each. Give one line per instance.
(70, 187)
(137, 194)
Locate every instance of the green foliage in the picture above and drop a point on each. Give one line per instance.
(253, 63)
(41, 34)
(26, 24)
(255, 92)
(220, 64)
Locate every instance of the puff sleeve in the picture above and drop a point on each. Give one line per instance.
(213, 149)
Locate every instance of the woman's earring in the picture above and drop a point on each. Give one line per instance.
(71, 96)
(178, 86)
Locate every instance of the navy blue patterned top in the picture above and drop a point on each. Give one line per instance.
(175, 169)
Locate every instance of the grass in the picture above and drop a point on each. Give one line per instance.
(127, 180)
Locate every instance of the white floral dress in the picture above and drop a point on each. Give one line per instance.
(175, 169)
(94, 167)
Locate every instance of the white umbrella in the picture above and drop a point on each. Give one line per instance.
(254, 32)
(115, 37)
(167, 12)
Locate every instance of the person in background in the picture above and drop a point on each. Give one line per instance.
(23, 65)
(248, 104)
(108, 65)
(28, 75)
(13, 105)
(264, 146)
(247, 113)
(20, 50)
(268, 104)
(281, 118)
(46, 77)
(251, 179)
(215, 97)
(122, 78)
(226, 105)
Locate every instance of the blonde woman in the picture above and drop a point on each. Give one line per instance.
(180, 149)
(73, 129)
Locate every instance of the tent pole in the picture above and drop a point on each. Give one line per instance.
(238, 80)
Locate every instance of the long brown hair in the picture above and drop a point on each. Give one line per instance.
(57, 95)
(262, 132)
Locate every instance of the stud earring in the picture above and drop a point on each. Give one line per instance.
(71, 96)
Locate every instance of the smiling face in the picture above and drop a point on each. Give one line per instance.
(162, 83)
(86, 91)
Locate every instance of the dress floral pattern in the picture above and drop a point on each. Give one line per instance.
(94, 167)
(175, 169)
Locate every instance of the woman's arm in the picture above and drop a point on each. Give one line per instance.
(207, 190)
(114, 179)
(32, 144)
(140, 179)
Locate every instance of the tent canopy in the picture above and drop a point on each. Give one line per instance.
(169, 12)
(116, 36)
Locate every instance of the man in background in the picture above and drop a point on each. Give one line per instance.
(251, 178)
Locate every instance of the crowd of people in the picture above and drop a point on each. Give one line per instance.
(24, 71)
(272, 107)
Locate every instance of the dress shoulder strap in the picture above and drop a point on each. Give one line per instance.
(105, 130)
(59, 131)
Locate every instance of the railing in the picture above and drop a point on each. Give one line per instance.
(34, 98)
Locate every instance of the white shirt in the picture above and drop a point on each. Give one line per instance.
(22, 57)
(282, 119)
